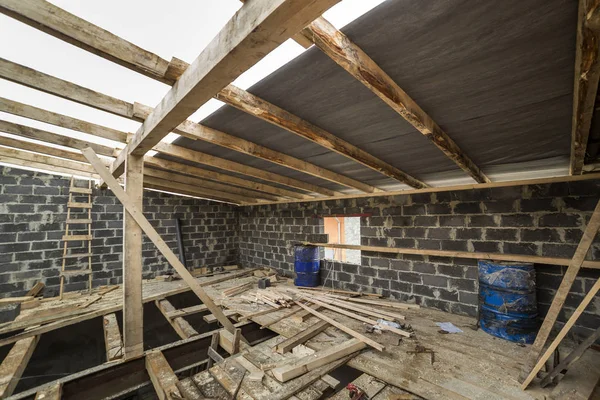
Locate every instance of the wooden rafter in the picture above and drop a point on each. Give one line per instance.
(249, 103)
(356, 62)
(587, 75)
(255, 30)
(196, 131)
(138, 112)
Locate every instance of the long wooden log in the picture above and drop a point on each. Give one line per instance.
(254, 31)
(587, 75)
(362, 67)
(460, 254)
(248, 102)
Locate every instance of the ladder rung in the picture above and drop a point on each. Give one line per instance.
(76, 272)
(76, 237)
(80, 190)
(73, 204)
(78, 255)
(79, 221)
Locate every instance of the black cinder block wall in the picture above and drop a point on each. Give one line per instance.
(539, 220)
(33, 210)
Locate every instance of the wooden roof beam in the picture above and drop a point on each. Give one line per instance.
(356, 62)
(254, 31)
(53, 20)
(139, 112)
(195, 186)
(587, 76)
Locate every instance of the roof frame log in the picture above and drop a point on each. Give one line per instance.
(253, 32)
(196, 131)
(50, 137)
(587, 76)
(188, 128)
(59, 23)
(48, 117)
(232, 166)
(357, 63)
(250, 103)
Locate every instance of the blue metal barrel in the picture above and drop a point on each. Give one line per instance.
(306, 266)
(507, 301)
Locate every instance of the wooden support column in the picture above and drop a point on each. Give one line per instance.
(561, 294)
(14, 364)
(133, 329)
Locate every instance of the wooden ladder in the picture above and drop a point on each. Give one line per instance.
(77, 192)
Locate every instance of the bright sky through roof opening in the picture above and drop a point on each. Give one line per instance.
(182, 30)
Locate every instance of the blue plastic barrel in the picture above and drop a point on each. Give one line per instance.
(507, 301)
(306, 266)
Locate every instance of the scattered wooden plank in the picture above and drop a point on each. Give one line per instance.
(561, 335)
(53, 392)
(301, 337)
(212, 319)
(383, 303)
(561, 293)
(258, 313)
(370, 385)
(276, 320)
(344, 328)
(346, 292)
(230, 342)
(28, 305)
(189, 390)
(181, 326)
(237, 289)
(151, 233)
(305, 364)
(254, 373)
(14, 364)
(361, 309)
(571, 358)
(162, 376)
(8, 300)
(112, 338)
(360, 318)
(36, 289)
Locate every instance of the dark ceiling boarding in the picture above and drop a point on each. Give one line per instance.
(496, 76)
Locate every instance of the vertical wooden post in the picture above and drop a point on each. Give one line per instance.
(133, 329)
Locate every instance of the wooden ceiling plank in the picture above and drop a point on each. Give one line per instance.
(48, 117)
(587, 76)
(253, 32)
(194, 131)
(251, 104)
(50, 137)
(227, 165)
(47, 160)
(355, 61)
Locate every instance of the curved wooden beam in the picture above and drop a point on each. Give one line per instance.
(362, 67)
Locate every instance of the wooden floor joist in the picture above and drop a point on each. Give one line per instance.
(362, 67)
(181, 326)
(587, 76)
(53, 392)
(112, 338)
(14, 364)
(162, 376)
